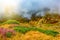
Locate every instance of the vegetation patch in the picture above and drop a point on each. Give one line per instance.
(11, 22)
(8, 34)
(51, 32)
(26, 29)
(21, 29)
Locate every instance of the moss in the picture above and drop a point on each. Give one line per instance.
(11, 22)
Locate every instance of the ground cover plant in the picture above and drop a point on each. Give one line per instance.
(46, 27)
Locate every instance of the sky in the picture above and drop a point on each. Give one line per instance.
(27, 5)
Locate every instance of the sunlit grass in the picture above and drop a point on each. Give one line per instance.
(11, 22)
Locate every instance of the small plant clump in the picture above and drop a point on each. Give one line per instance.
(6, 32)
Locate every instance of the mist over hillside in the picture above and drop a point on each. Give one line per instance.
(27, 7)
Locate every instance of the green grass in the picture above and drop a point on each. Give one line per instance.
(11, 22)
(22, 29)
(26, 29)
(51, 32)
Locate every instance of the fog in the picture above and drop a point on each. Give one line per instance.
(23, 7)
